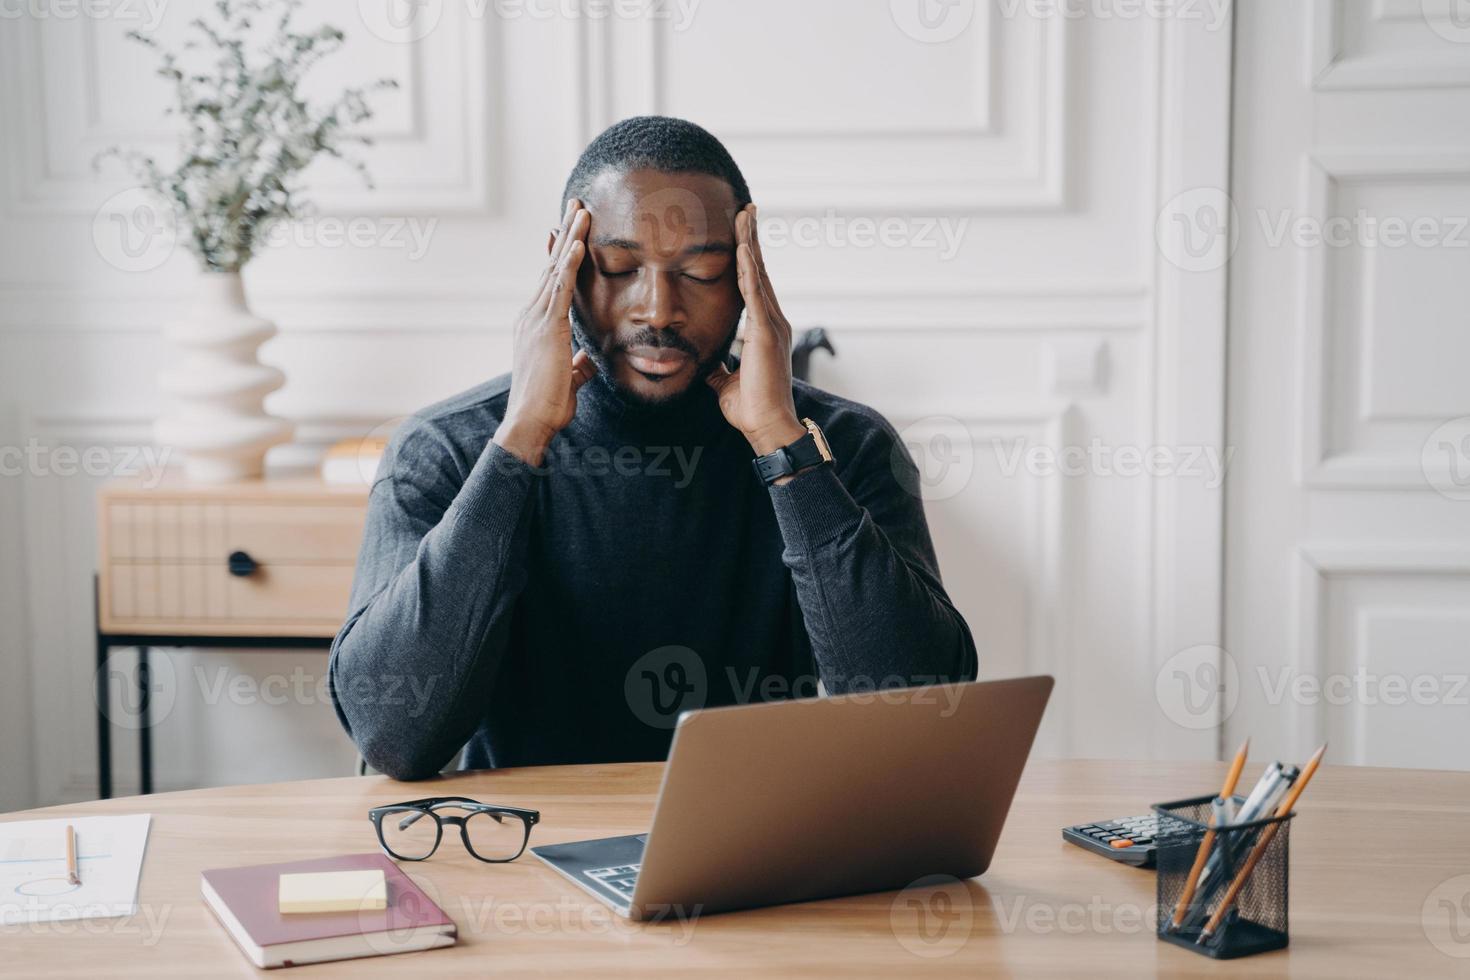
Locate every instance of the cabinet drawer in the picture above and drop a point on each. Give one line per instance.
(183, 598)
(208, 531)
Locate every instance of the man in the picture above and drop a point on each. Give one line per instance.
(558, 561)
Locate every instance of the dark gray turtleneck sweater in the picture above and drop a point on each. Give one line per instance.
(569, 612)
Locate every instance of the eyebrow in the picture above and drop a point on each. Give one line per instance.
(609, 241)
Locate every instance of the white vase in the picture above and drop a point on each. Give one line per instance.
(216, 386)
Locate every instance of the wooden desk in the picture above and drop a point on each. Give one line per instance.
(1044, 908)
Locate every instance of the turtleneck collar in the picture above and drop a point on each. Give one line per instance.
(695, 418)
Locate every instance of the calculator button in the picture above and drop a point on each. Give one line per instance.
(1122, 842)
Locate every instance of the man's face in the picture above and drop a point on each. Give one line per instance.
(657, 303)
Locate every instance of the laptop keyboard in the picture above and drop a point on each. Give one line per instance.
(618, 879)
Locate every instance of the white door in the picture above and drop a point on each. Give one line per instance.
(1347, 597)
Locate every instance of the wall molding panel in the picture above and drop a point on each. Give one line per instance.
(1395, 56)
(436, 156)
(1330, 317)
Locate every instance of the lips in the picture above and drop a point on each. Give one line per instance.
(657, 361)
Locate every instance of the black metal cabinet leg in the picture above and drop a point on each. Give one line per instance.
(104, 722)
(145, 724)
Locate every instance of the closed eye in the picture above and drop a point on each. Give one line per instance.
(617, 275)
(697, 279)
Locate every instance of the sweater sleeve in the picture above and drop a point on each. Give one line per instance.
(441, 567)
(866, 577)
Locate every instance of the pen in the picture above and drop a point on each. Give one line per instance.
(71, 856)
(1252, 809)
(1267, 836)
(1231, 778)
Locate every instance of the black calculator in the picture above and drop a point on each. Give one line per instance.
(1130, 840)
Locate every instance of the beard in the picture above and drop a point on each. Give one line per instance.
(601, 356)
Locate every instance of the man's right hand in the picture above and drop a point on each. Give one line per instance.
(545, 375)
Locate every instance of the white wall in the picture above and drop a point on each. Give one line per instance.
(1056, 321)
(1349, 554)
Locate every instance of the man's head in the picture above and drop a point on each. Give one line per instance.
(657, 302)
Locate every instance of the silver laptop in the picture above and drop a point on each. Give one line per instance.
(797, 800)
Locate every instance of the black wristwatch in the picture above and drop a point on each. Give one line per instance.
(810, 450)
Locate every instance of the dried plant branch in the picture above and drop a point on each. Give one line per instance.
(249, 130)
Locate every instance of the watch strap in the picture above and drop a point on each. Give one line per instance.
(789, 459)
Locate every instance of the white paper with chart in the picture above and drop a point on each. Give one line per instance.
(33, 878)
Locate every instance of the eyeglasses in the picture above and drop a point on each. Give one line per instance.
(412, 831)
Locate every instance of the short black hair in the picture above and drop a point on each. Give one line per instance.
(660, 143)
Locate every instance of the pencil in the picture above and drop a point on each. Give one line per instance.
(1231, 778)
(71, 856)
(1267, 836)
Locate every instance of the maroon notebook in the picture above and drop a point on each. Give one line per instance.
(245, 902)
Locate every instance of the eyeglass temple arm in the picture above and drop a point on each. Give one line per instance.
(408, 821)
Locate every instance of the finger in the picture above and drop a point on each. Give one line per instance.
(572, 238)
(753, 219)
(719, 378)
(760, 257)
(583, 370)
(565, 282)
(771, 307)
(750, 290)
(558, 240)
(566, 233)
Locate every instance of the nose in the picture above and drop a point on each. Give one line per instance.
(657, 303)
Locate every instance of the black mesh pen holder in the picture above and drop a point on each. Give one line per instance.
(1256, 920)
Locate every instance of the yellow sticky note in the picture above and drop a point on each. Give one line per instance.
(333, 891)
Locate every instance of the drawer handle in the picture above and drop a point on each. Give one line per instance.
(241, 564)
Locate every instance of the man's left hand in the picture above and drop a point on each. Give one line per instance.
(756, 399)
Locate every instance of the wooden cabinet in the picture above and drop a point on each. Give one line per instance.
(271, 557)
